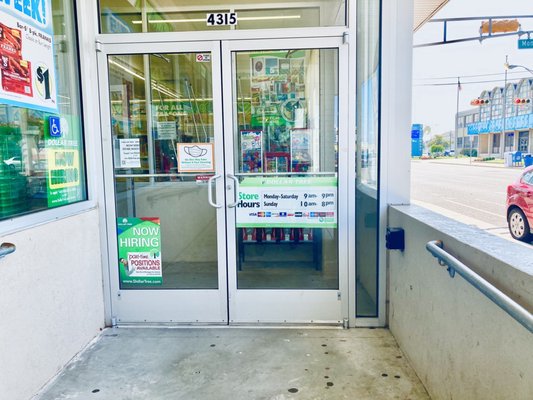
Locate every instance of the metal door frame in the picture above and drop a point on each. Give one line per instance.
(152, 306)
(335, 37)
(290, 306)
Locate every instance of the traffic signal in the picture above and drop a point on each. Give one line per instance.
(479, 102)
(522, 101)
(500, 26)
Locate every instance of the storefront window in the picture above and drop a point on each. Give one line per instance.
(497, 104)
(496, 143)
(125, 16)
(286, 128)
(41, 143)
(485, 109)
(509, 141)
(368, 86)
(161, 119)
(509, 100)
(523, 141)
(525, 91)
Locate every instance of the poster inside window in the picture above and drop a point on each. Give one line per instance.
(279, 136)
(286, 141)
(41, 141)
(275, 127)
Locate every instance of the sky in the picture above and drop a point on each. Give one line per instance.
(435, 104)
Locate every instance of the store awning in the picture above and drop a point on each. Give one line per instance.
(425, 9)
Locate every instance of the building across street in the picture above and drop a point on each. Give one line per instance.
(501, 122)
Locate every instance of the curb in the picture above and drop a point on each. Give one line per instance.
(476, 164)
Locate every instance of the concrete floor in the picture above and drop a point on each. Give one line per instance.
(238, 363)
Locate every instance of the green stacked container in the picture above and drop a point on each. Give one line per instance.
(13, 182)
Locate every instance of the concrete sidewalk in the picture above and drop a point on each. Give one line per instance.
(466, 162)
(238, 363)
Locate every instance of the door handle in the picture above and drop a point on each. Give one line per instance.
(236, 180)
(210, 191)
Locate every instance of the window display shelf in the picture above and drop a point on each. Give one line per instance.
(295, 238)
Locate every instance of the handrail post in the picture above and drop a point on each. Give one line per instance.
(442, 262)
(7, 248)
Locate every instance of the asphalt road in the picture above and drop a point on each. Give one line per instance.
(473, 194)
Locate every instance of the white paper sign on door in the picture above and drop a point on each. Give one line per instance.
(196, 157)
(166, 130)
(130, 153)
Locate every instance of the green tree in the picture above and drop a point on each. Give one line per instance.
(437, 149)
(440, 141)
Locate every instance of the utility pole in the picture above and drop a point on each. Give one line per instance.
(504, 111)
(456, 118)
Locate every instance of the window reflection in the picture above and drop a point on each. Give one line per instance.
(162, 109)
(39, 171)
(367, 183)
(286, 160)
(124, 16)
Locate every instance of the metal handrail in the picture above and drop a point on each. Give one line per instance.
(7, 248)
(507, 304)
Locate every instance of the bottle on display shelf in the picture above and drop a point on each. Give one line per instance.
(277, 235)
(247, 234)
(258, 235)
(280, 234)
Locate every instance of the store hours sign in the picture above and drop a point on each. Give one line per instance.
(309, 202)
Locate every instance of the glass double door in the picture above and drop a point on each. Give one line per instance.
(224, 181)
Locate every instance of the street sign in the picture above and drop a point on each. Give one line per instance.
(417, 144)
(525, 43)
(416, 131)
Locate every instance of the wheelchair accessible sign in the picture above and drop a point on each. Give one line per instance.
(55, 127)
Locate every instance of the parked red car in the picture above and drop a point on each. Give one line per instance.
(520, 206)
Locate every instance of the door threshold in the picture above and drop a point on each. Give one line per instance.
(240, 325)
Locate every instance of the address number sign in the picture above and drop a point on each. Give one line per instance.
(213, 19)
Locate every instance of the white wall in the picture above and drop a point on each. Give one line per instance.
(396, 93)
(395, 134)
(51, 302)
(459, 342)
